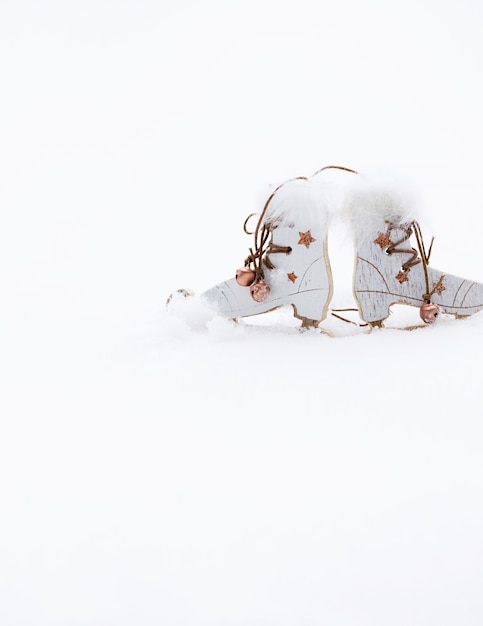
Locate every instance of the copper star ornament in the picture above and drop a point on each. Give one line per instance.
(402, 277)
(383, 240)
(292, 276)
(306, 239)
(439, 287)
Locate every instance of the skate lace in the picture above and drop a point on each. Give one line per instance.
(416, 256)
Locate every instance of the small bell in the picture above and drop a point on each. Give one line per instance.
(429, 312)
(260, 291)
(245, 276)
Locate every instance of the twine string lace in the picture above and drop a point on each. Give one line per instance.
(416, 256)
(425, 260)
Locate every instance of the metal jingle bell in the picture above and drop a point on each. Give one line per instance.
(429, 312)
(245, 276)
(260, 291)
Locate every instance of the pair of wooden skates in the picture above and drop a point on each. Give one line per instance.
(289, 264)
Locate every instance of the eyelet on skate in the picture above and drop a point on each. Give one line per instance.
(289, 250)
(387, 252)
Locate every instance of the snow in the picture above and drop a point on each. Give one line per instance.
(168, 466)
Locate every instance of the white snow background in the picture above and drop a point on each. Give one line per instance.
(174, 468)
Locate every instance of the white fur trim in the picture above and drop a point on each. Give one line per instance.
(369, 203)
(307, 199)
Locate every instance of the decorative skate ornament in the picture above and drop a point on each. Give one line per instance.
(288, 263)
(389, 270)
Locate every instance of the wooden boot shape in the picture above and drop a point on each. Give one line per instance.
(288, 264)
(392, 267)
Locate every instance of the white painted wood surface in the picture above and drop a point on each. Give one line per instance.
(301, 278)
(379, 281)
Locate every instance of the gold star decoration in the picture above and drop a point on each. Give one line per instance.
(292, 276)
(402, 277)
(383, 240)
(306, 239)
